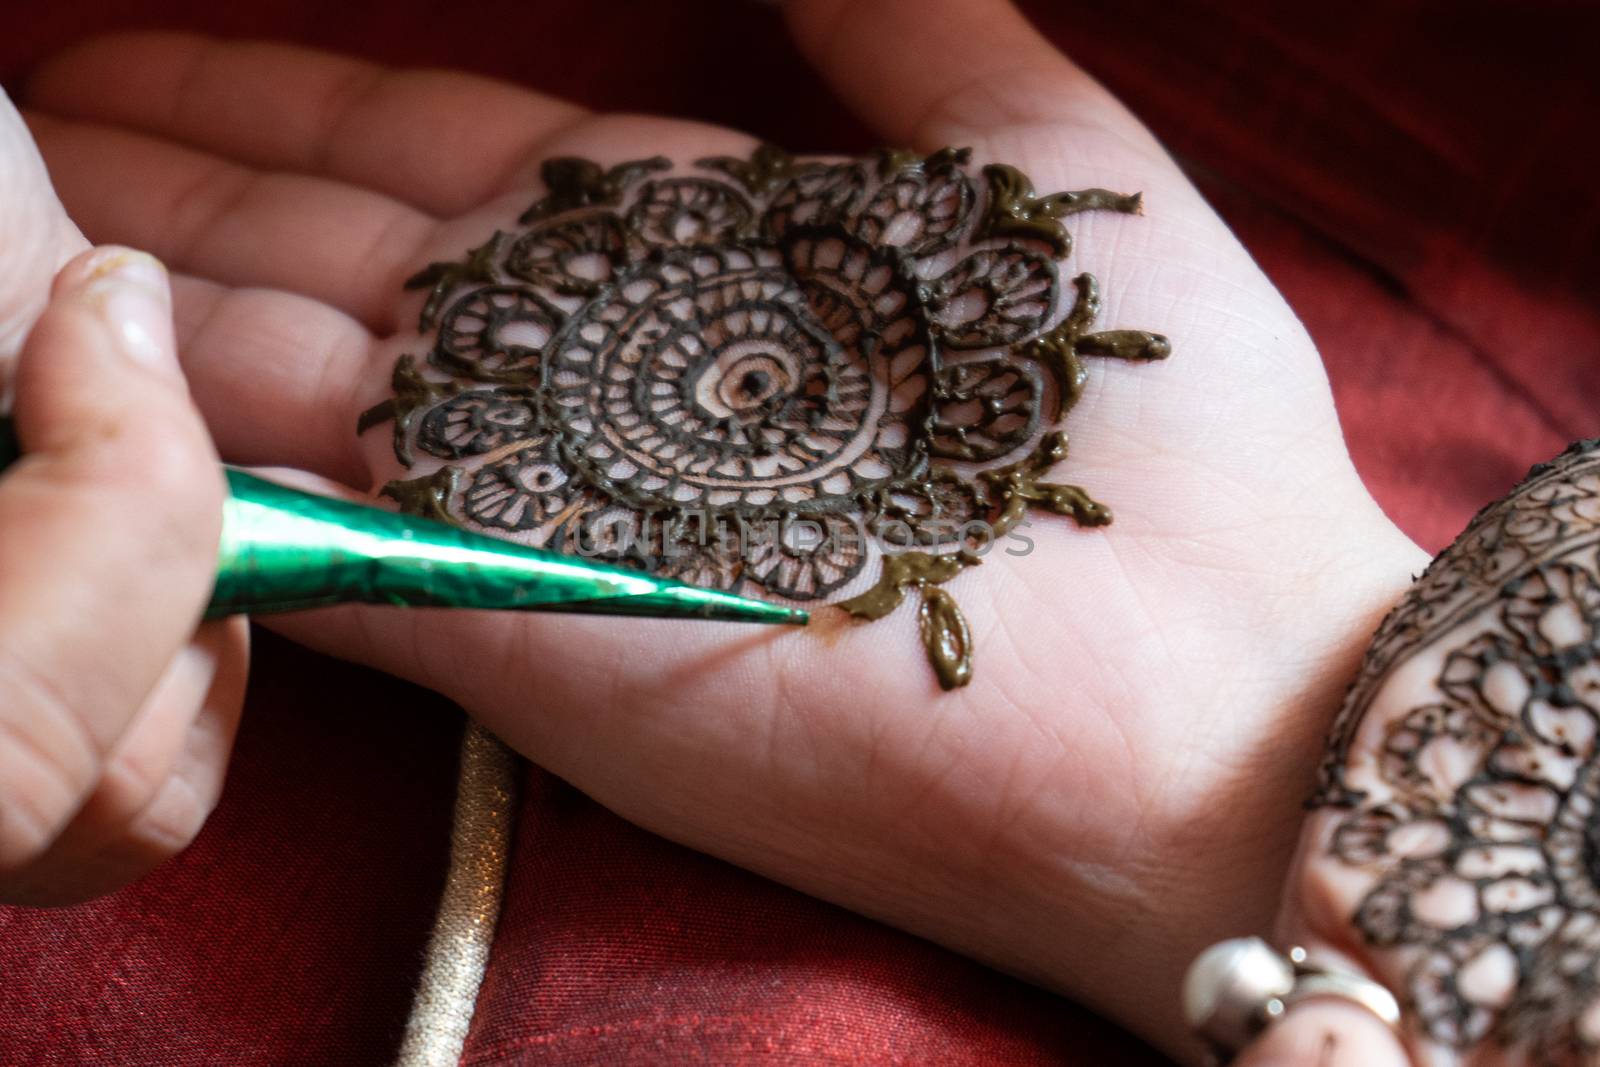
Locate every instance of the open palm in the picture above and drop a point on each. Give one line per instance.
(1122, 780)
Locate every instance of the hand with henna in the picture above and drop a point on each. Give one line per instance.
(1120, 783)
(1453, 853)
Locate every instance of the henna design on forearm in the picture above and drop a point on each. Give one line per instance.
(670, 367)
(1473, 808)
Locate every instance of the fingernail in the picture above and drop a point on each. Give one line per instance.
(129, 291)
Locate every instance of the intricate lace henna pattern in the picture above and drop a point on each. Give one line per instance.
(760, 372)
(1554, 512)
(1477, 809)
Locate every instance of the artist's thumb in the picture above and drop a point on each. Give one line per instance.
(109, 525)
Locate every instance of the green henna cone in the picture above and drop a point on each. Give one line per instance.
(286, 550)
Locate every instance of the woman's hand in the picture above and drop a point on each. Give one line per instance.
(1453, 853)
(1121, 783)
(116, 714)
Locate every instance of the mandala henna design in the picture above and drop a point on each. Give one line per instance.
(1477, 809)
(750, 373)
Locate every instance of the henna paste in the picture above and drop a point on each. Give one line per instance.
(1474, 809)
(944, 628)
(680, 368)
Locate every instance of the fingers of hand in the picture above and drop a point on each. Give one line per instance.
(232, 223)
(439, 140)
(161, 779)
(108, 538)
(280, 378)
(283, 372)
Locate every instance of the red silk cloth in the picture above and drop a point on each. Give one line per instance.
(1418, 178)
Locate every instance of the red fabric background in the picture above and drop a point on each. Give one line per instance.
(1418, 178)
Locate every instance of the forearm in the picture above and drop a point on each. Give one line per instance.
(1220, 873)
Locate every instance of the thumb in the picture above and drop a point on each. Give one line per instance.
(108, 537)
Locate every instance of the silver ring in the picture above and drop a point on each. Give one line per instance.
(1236, 989)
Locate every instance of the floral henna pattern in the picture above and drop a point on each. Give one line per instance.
(1474, 813)
(762, 374)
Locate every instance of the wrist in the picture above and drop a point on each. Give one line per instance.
(1211, 860)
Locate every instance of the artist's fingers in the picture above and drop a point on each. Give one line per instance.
(280, 378)
(349, 247)
(1326, 1033)
(38, 236)
(929, 73)
(161, 781)
(442, 141)
(108, 537)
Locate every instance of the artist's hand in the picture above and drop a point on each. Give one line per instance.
(116, 715)
(39, 238)
(1122, 781)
